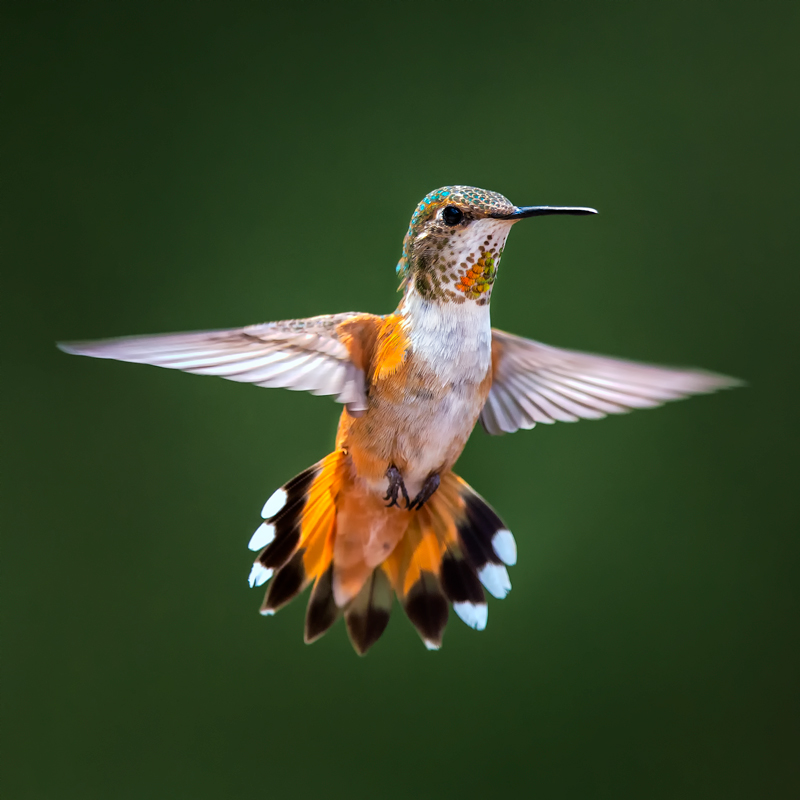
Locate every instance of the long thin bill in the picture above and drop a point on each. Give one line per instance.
(540, 211)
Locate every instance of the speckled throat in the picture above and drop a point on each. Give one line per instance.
(463, 266)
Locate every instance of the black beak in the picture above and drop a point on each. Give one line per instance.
(540, 211)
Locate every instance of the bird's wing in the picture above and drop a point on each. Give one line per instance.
(533, 382)
(323, 355)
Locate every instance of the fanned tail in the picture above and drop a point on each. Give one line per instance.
(445, 553)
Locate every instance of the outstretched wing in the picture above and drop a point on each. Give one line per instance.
(321, 355)
(533, 382)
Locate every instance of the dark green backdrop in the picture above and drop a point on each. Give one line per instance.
(176, 167)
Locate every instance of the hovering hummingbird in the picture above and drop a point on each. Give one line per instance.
(384, 513)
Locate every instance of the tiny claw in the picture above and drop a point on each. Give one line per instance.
(428, 488)
(396, 486)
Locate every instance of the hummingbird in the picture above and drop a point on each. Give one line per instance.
(384, 514)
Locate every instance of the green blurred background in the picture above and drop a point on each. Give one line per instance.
(173, 167)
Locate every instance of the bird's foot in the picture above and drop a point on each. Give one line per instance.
(428, 488)
(396, 487)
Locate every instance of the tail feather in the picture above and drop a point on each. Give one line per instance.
(286, 498)
(457, 573)
(367, 615)
(488, 544)
(427, 608)
(280, 550)
(279, 535)
(463, 589)
(288, 582)
(322, 610)
(415, 570)
(445, 553)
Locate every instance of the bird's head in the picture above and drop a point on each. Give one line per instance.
(455, 240)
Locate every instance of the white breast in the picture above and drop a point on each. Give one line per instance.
(453, 339)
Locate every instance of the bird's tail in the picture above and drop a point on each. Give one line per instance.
(323, 527)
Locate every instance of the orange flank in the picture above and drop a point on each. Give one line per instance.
(358, 334)
(392, 346)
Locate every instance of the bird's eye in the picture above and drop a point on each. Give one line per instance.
(452, 215)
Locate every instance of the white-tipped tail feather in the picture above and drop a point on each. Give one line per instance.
(475, 615)
(495, 579)
(259, 575)
(505, 547)
(275, 503)
(264, 534)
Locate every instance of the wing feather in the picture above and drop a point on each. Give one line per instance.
(307, 354)
(584, 399)
(503, 410)
(515, 416)
(526, 399)
(534, 382)
(488, 418)
(240, 369)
